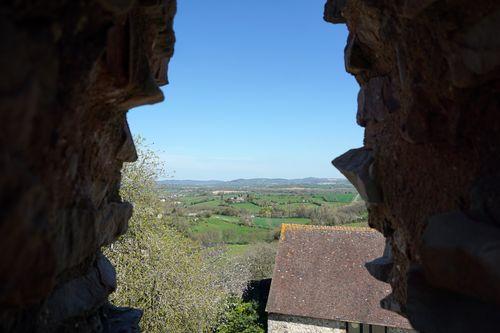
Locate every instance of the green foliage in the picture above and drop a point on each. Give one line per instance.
(347, 214)
(259, 260)
(240, 317)
(159, 270)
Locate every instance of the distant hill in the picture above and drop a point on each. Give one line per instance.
(254, 182)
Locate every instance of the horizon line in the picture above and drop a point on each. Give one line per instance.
(251, 178)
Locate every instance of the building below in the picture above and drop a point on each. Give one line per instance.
(320, 284)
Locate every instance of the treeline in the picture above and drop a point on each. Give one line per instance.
(320, 214)
(327, 215)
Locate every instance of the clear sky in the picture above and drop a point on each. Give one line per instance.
(257, 89)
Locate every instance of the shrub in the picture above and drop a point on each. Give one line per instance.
(227, 211)
(259, 260)
(209, 237)
(245, 219)
(240, 317)
(180, 223)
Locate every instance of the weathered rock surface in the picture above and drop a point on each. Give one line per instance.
(443, 311)
(462, 255)
(357, 166)
(429, 73)
(429, 100)
(70, 71)
(381, 268)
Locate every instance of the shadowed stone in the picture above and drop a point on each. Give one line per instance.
(70, 70)
(415, 127)
(80, 295)
(485, 199)
(481, 51)
(333, 11)
(127, 151)
(121, 319)
(462, 255)
(117, 52)
(142, 85)
(113, 222)
(475, 52)
(356, 61)
(437, 135)
(117, 6)
(390, 303)
(411, 8)
(381, 268)
(371, 103)
(439, 311)
(356, 165)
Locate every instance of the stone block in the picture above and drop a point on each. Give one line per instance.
(83, 294)
(357, 166)
(356, 61)
(127, 151)
(121, 319)
(381, 268)
(375, 101)
(333, 11)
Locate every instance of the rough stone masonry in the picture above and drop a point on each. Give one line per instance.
(70, 70)
(429, 170)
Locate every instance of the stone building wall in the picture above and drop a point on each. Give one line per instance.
(278, 323)
(429, 100)
(70, 71)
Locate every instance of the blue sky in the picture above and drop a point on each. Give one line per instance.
(257, 89)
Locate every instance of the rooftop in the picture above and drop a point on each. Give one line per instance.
(320, 273)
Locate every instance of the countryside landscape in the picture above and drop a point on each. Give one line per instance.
(202, 250)
(242, 212)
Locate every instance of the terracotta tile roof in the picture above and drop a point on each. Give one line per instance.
(320, 273)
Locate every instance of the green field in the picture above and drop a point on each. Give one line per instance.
(248, 206)
(271, 223)
(207, 204)
(240, 216)
(228, 229)
(222, 230)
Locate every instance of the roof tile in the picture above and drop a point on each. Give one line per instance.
(320, 273)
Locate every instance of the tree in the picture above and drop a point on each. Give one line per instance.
(159, 270)
(259, 260)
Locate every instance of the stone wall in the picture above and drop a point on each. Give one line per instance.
(278, 323)
(429, 169)
(70, 71)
